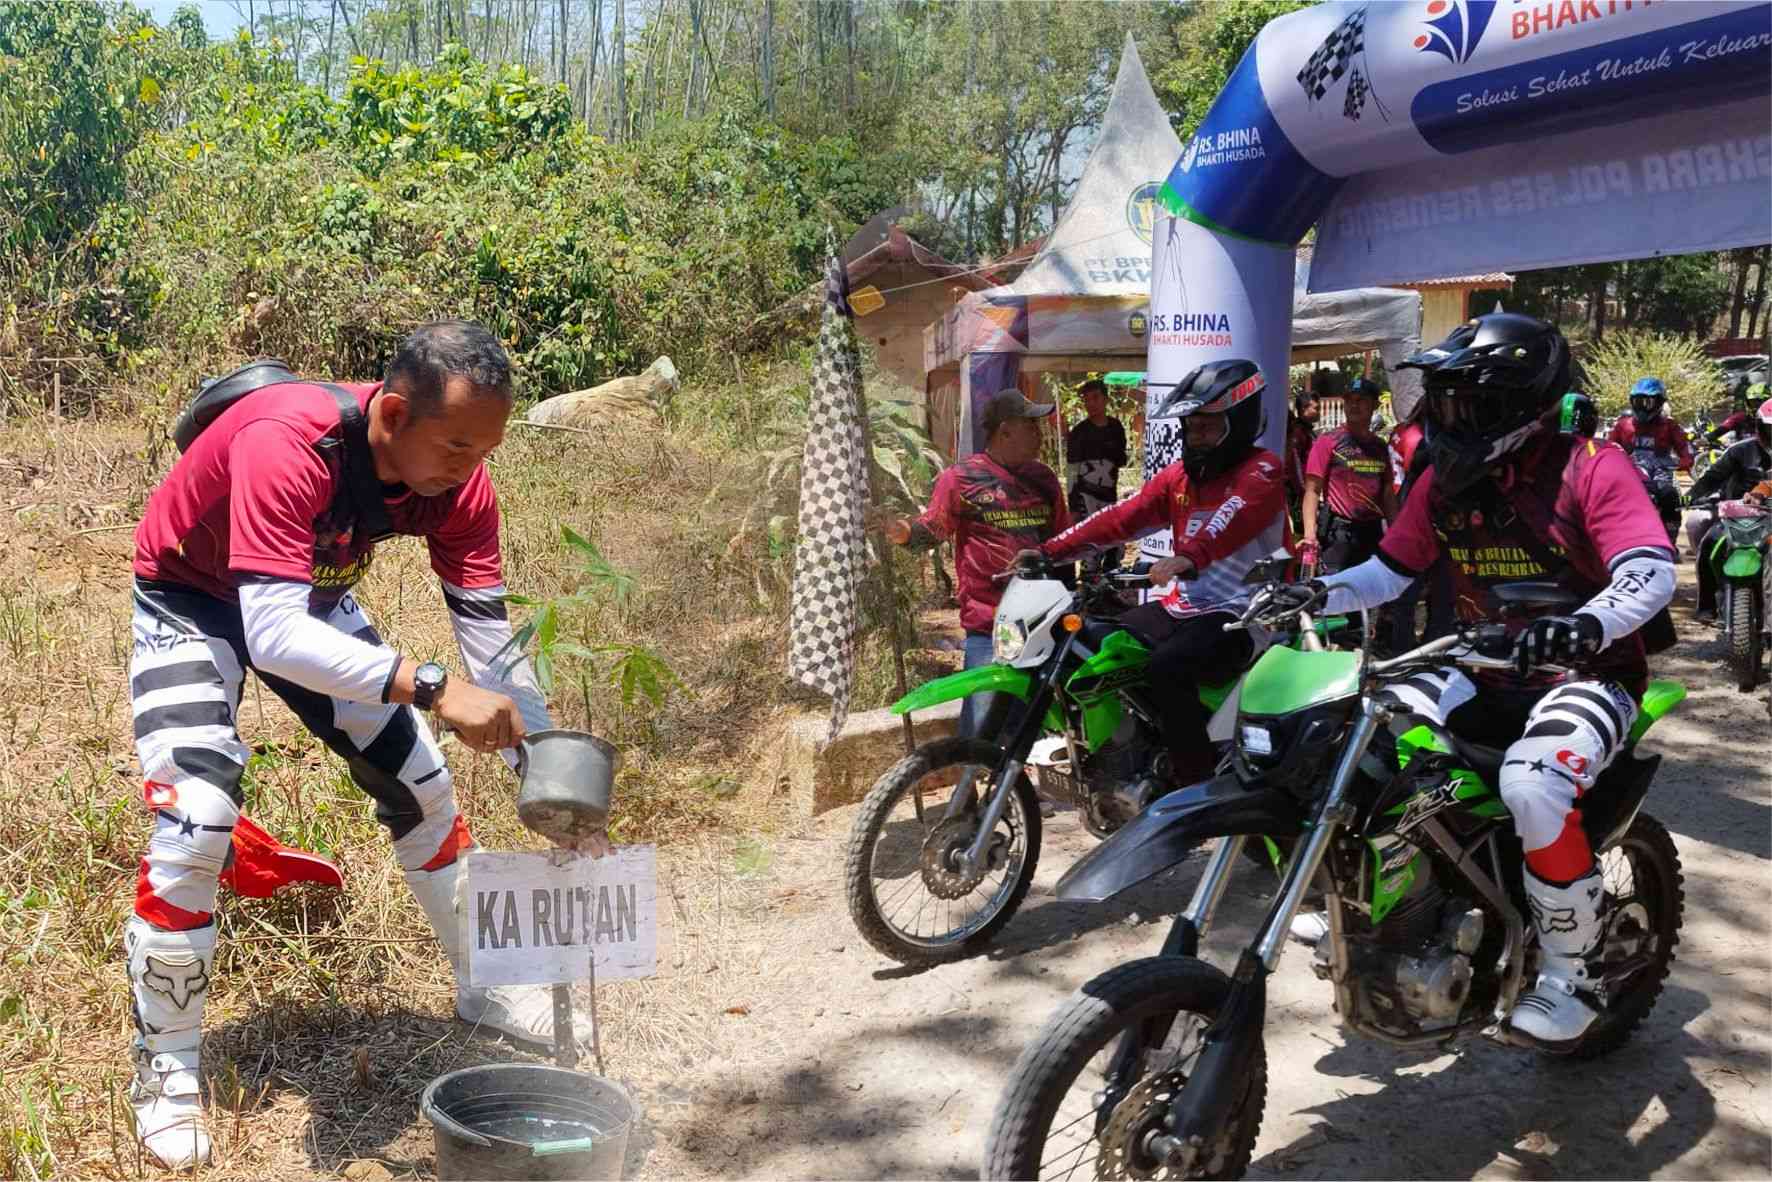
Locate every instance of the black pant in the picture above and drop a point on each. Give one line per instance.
(1707, 574)
(1346, 542)
(1184, 653)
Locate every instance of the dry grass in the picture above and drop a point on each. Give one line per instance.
(303, 981)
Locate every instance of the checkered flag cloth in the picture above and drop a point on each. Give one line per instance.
(1357, 89)
(1329, 62)
(829, 559)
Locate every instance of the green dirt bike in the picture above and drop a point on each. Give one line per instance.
(946, 842)
(1157, 1068)
(1744, 584)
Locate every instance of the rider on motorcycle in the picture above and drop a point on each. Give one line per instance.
(1225, 502)
(1655, 442)
(1510, 498)
(1740, 423)
(1731, 478)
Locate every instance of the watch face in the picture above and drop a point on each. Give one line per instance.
(429, 676)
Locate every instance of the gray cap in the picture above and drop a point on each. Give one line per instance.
(1009, 404)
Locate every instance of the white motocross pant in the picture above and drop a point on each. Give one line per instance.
(1571, 734)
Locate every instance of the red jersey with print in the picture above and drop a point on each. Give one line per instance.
(1569, 509)
(1664, 438)
(1353, 472)
(1405, 440)
(256, 495)
(990, 512)
(1222, 526)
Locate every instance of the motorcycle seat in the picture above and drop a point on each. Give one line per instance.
(1481, 758)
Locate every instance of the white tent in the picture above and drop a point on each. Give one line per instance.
(1083, 303)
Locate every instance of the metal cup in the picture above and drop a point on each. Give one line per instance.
(567, 778)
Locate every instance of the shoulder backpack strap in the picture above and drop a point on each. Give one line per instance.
(362, 486)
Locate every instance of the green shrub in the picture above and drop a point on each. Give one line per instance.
(1611, 367)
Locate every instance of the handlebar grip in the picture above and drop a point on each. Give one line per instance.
(1492, 640)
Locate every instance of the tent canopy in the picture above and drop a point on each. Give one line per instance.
(1084, 301)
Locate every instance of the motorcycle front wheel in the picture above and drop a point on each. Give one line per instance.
(910, 893)
(1063, 1114)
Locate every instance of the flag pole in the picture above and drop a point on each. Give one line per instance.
(891, 575)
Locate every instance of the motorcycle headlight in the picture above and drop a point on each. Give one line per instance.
(1008, 638)
(1258, 740)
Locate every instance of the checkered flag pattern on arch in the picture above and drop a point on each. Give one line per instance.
(831, 554)
(1327, 65)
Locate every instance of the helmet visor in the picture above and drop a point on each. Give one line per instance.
(1645, 404)
(1469, 409)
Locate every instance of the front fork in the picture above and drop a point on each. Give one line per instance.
(1013, 767)
(1229, 1045)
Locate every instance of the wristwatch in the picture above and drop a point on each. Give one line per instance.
(428, 681)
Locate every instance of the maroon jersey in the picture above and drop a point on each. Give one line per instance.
(256, 495)
(1353, 472)
(1663, 437)
(990, 512)
(1570, 509)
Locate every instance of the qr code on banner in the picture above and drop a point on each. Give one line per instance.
(1162, 446)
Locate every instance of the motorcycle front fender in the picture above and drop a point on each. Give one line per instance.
(983, 679)
(1170, 828)
(1742, 564)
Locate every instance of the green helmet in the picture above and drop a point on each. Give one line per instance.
(1579, 415)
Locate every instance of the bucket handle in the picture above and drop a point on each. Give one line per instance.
(573, 1145)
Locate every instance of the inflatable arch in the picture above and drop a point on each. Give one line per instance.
(1427, 138)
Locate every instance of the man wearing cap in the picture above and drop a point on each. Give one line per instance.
(991, 504)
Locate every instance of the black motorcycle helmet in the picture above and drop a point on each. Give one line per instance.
(1490, 386)
(1231, 388)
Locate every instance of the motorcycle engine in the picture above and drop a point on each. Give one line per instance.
(1412, 973)
(1115, 784)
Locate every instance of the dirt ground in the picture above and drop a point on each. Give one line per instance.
(840, 1064)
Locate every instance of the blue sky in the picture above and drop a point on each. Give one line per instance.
(220, 17)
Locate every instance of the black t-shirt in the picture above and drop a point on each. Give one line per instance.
(1094, 456)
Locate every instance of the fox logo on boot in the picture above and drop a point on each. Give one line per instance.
(179, 980)
(1552, 919)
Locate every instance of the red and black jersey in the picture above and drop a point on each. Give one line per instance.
(990, 512)
(256, 496)
(1663, 437)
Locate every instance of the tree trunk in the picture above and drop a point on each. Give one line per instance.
(695, 40)
(331, 24)
(769, 57)
(1742, 260)
(1757, 328)
(619, 67)
(1599, 298)
(849, 51)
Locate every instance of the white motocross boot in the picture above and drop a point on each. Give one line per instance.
(168, 982)
(1559, 1008)
(521, 1012)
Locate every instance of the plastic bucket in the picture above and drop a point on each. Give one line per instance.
(527, 1120)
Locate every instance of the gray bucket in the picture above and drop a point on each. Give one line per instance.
(527, 1120)
(566, 777)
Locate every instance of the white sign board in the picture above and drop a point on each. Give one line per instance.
(527, 921)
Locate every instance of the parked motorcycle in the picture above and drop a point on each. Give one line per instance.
(1744, 585)
(946, 842)
(1157, 1068)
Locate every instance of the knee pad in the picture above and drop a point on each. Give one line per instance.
(440, 834)
(193, 830)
